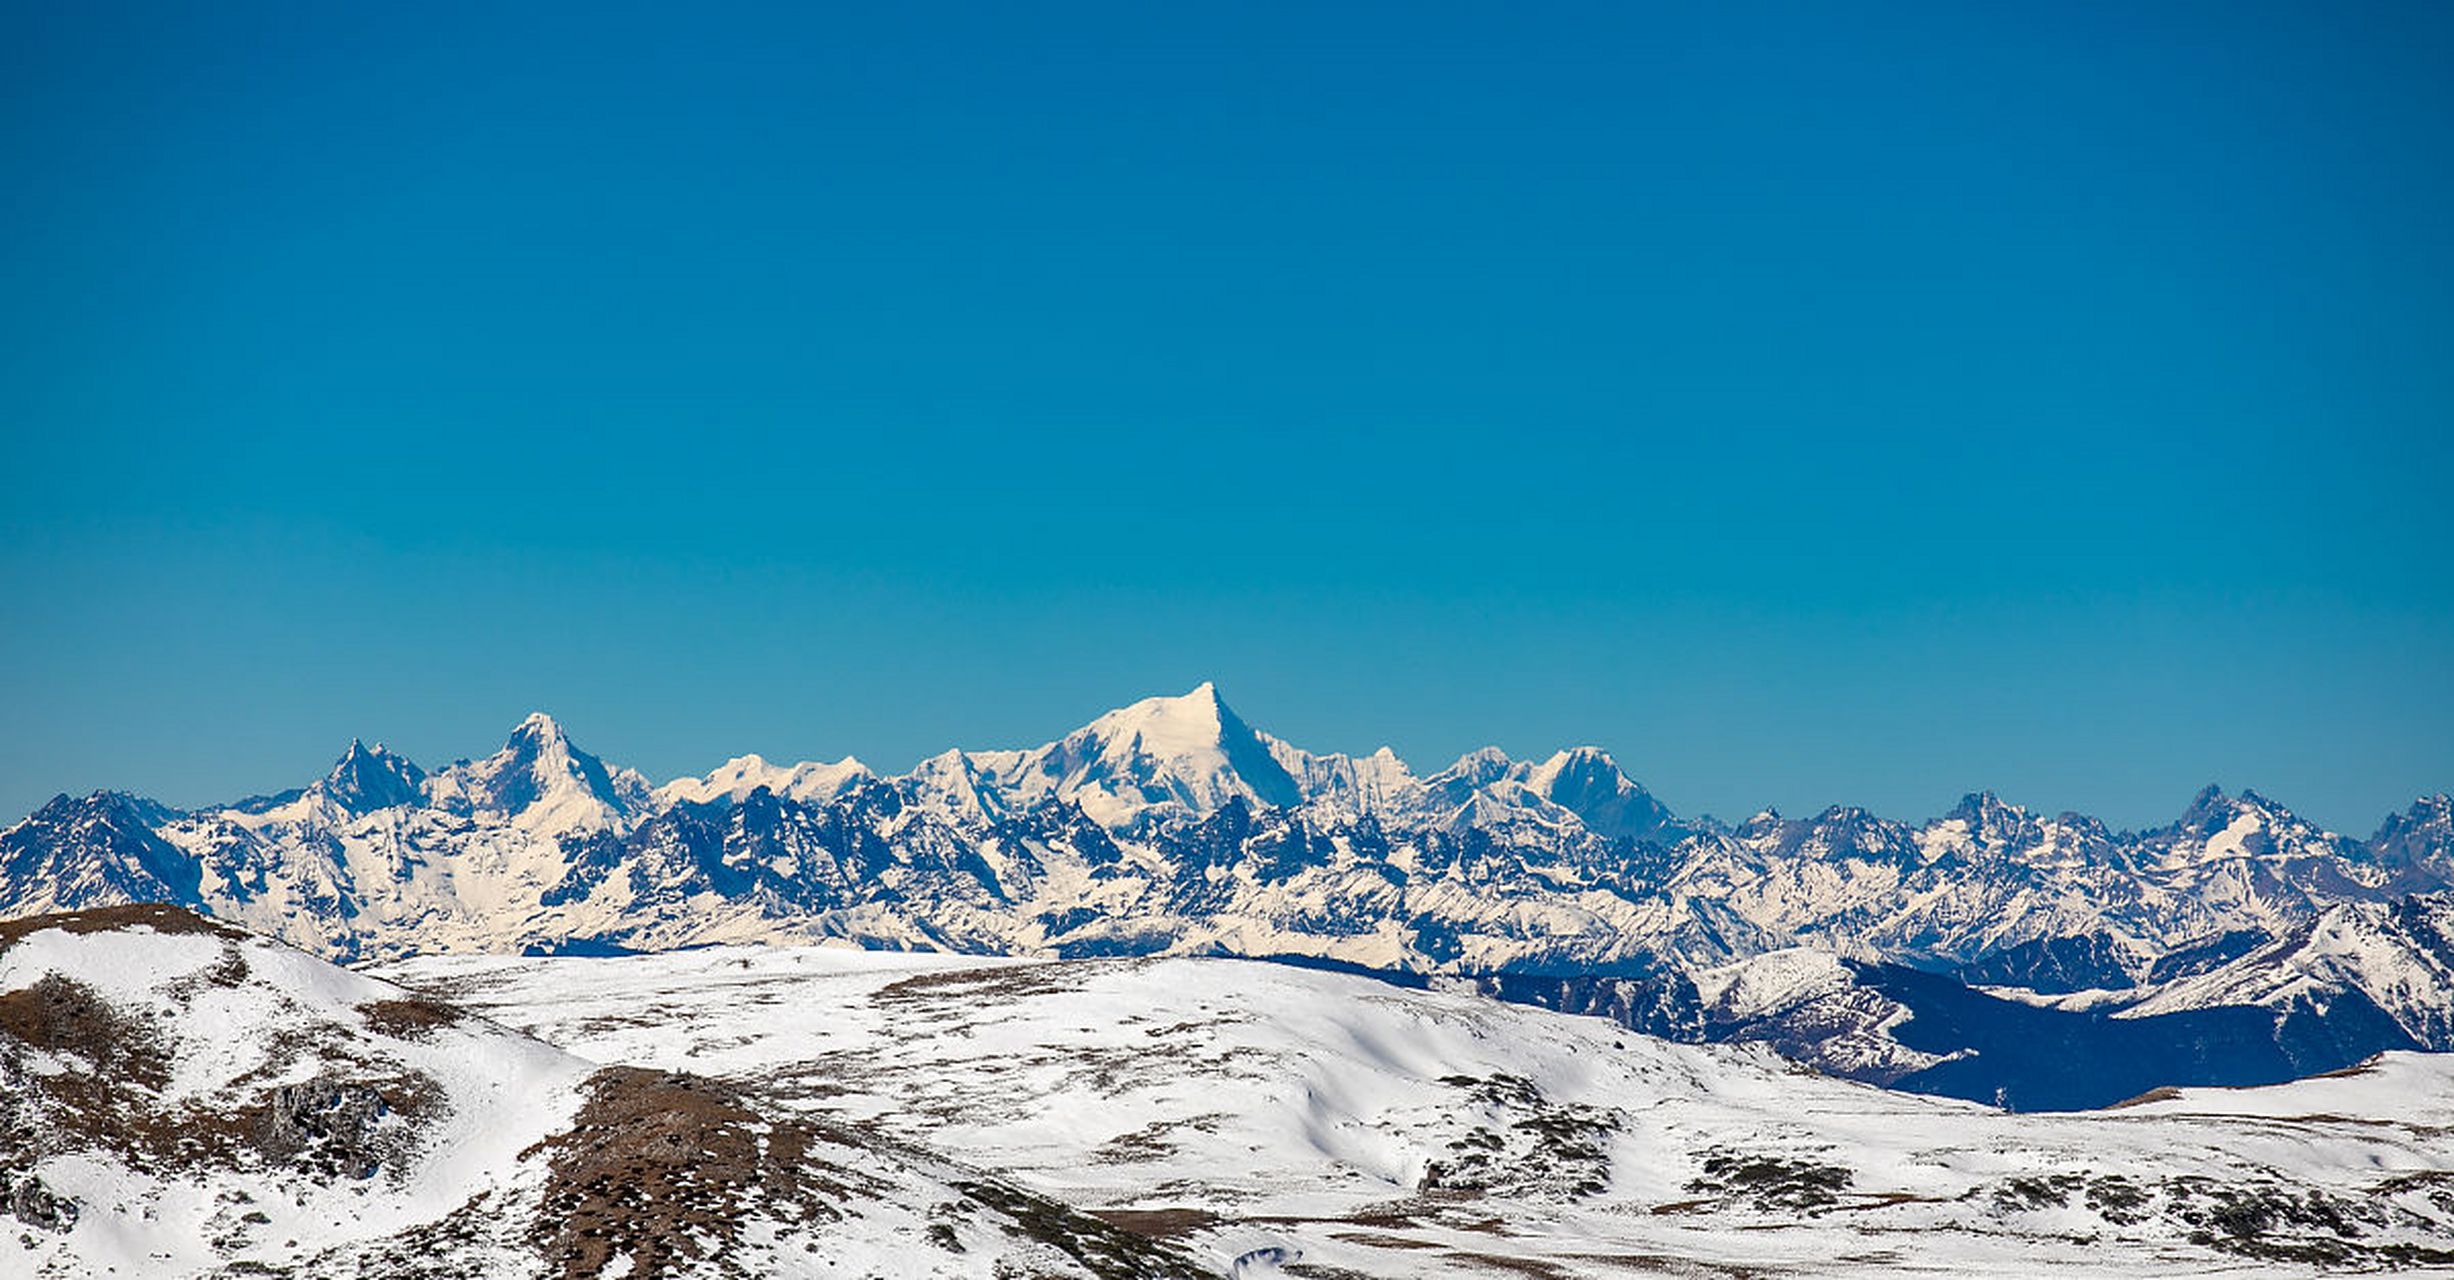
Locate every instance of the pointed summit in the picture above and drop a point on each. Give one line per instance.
(366, 779)
(542, 782)
(1186, 754)
(1587, 782)
(2209, 805)
(1985, 812)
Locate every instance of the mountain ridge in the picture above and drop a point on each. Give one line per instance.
(1173, 826)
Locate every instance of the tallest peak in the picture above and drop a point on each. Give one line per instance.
(1198, 711)
(1187, 750)
(1197, 705)
(1203, 696)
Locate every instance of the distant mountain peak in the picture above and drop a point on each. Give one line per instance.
(2210, 802)
(366, 779)
(1184, 722)
(1986, 812)
(1587, 782)
(542, 781)
(1188, 752)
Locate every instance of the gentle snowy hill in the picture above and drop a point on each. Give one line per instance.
(179, 1098)
(1342, 1126)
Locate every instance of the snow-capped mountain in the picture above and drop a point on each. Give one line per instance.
(1174, 826)
(2391, 962)
(368, 778)
(541, 783)
(1159, 758)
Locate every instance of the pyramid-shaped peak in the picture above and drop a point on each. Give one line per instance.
(1197, 720)
(1186, 751)
(542, 781)
(1587, 782)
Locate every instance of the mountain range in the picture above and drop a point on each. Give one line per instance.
(2241, 943)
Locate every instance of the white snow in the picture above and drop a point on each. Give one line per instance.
(1298, 1104)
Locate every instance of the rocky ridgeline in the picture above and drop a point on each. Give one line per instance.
(1173, 827)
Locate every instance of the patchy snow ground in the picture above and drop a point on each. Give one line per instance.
(178, 1098)
(1280, 1120)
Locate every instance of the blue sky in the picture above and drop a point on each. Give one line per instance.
(1809, 403)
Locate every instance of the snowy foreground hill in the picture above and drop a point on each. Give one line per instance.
(1992, 953)
(180, 1098)
(185, 1099)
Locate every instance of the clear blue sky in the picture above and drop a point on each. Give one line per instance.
(1809, 403)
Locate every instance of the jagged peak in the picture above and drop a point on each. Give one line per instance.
(359, 753)
(543, 782)
(2251, 799)
(2436, 810)
(65, 803)
(366, 779)
(1978, 807)
(2205, 802)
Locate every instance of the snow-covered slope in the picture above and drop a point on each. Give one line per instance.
(178, 1098)
(1342, 1126)
(2395, 959)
